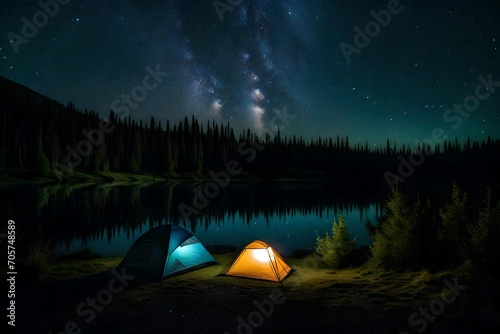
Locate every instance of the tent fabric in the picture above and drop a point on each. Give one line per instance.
(260, 261)
(167, 250)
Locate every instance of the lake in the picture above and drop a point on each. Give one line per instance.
(108, 219)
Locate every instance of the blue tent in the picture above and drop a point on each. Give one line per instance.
(167, 250)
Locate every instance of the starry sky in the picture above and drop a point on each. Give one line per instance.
(254, 60)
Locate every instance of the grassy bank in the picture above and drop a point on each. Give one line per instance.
(313, 299)
(306, 282)
(77, 176)
(9, 175)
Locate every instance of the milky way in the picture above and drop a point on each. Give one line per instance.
(265, 57)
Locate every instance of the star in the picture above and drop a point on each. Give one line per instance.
(262, 57)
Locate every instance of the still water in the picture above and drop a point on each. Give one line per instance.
(108, 219)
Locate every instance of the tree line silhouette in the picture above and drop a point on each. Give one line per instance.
(39, 133)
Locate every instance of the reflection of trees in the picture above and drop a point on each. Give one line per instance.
(42, 199)
(100, 197)
(100, 212)
(135, 198)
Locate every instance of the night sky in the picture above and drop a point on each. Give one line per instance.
(266, 57)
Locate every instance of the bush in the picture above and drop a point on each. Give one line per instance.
(485, 234)
(454, 230)
(336, 249)
(396, 243)
(413, 235)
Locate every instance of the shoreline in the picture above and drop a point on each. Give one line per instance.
(20, 176)
(313, 298)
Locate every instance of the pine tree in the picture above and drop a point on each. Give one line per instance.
(336, 249)
(99, 157)
(136, 156)
(453, 232)
(43, 164)
(199, 155)
(167, 155)
(485, 233)
(396, 244)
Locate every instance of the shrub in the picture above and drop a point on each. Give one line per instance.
(43, 164)
(485, 233)
(396, 244)
(336, 249)
(454, 230)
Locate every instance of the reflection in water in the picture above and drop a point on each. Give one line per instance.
(106, 219)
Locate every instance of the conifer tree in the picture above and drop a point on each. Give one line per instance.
(336, 249)
(485, 233)
(453, 233)
(42, 162)
(396, 243)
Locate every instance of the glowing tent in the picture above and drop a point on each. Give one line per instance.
(258, 260)
(166, 250)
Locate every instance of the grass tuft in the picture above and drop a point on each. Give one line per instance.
(38, 258)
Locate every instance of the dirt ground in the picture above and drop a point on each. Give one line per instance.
(310, 300)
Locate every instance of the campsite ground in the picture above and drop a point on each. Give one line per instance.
(310, 300)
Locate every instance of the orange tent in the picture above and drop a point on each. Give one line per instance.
(258, 260)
